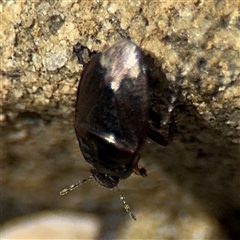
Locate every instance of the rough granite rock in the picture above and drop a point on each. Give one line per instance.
(193, 186)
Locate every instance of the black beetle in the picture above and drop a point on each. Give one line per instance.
(112, 115)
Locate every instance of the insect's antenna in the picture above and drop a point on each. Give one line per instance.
(126, 206)
(74, 186)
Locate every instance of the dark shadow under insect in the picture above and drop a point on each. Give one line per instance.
(113, 117)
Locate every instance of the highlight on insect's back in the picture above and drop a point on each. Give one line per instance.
(112, 115)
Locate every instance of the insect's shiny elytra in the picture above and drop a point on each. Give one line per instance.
(111, 117)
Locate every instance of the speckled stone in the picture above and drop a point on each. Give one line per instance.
(193, 186)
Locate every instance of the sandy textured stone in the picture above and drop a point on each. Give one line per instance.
(193, 186)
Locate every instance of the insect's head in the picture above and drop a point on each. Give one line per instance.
(104, 180)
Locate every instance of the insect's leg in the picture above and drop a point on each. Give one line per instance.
(155, 119)
(174, 104)
(140, 171)
(157, 137)
(83, 53)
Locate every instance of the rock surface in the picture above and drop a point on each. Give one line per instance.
(193, 186)
(52, 225)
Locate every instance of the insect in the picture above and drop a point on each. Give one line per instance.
(112, 115)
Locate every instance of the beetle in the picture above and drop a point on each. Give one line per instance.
(112, 115)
